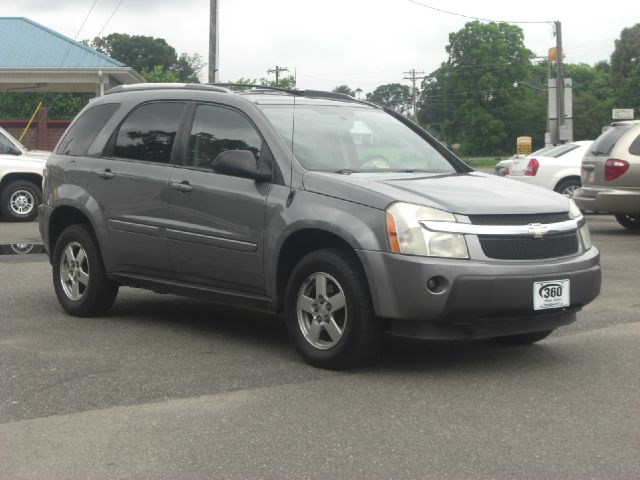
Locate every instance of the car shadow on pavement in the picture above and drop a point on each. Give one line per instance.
(267, 334)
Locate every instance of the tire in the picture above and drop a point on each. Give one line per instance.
(79, 277)
(567, 187)
(523, 338)
(19, 201)
(348, 333)
(631, 222)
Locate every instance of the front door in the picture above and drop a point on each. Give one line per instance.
(215, 232)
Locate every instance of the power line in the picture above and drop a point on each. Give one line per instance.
(470, 16)
(85, 19)
(110, 17)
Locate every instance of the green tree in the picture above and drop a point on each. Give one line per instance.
(471, 99)
(625, 68)
(344, 89)
(593, 98)
(284, 82)
(144, 53)
(58, 105)
(159, 74)
(393, 95)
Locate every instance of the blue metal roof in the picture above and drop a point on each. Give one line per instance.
(25, 43)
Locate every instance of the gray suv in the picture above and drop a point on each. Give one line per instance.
(346, 217)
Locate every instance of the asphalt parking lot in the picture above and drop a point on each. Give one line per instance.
(166, 387)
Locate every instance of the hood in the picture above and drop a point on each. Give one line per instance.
(42, 154)
(16, 163)
(464, 193)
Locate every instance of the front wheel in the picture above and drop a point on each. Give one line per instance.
(523, 338)
(79, 277)
(328, 311)
(630, 222)
(19, 201)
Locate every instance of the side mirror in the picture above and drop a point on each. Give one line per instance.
(241, 163)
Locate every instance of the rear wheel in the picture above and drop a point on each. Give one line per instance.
(79, 277)
(568, 187)
(19, 201)
(328, 310)
(631, 222)
(523, 338)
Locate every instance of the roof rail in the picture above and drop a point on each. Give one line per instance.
(164, 86)
(306, 93)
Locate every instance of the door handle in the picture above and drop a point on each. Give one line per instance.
(106, 174)
(184, 186)
(588, 168)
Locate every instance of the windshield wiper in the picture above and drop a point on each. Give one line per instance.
(345, 171)
(415, 170)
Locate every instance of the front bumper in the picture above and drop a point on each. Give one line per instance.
(613, 200)
(480, 299)
(44, 216)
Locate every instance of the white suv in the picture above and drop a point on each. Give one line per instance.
(20, 179)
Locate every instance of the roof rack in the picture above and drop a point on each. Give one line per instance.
(165, 86)
(306, 93)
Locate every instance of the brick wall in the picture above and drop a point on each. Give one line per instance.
(43, 134)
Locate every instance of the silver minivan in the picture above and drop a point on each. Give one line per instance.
(611, 174)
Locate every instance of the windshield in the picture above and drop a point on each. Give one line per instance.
(347, 138)
(6, 145)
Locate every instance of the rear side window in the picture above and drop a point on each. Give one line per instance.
(561, 150)
(634, 148)
(605, 142)
(85, 129)
(148, 132)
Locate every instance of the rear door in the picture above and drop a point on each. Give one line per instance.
(130, 184)
(216, 227)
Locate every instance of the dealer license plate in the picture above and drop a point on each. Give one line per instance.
(550, 294)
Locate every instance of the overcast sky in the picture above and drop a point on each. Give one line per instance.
(361, 43)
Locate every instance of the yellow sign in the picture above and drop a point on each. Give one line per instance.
(523, 145)
(553, 54)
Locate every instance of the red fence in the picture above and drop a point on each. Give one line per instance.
(43, 134)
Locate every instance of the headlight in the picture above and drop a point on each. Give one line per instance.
(576, 213)
(574, 210)
(407, 236)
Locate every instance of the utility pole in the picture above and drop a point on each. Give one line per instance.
(213, 41)
(559, 83)
(277, 71)
(413, 77)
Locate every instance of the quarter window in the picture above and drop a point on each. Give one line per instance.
(85, 129)
(149, 132)
(634, 148)
(216, 129)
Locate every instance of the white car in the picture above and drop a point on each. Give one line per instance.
(20, 179)
(502, 168)
(558, 169)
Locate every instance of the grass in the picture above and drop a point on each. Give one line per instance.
(484, 161)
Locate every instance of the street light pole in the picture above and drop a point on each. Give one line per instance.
(213, 41)
(559, 83)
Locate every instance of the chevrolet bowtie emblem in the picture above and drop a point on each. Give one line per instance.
(537, 230)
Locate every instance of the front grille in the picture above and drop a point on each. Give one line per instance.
(529, 248)
(520, 219)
